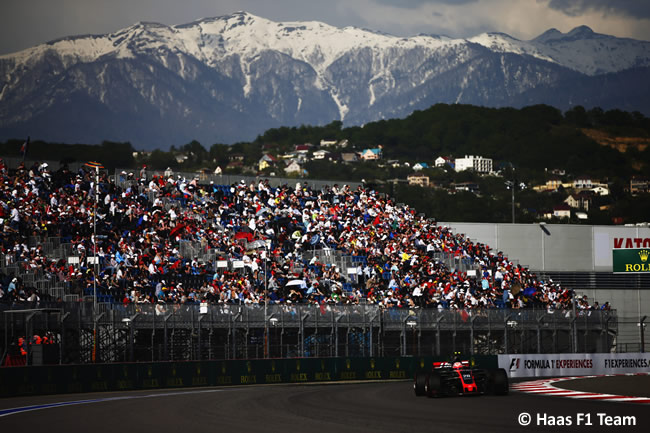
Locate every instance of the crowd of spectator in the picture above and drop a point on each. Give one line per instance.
(142, 219)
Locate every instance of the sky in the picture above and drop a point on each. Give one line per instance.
(25, 23)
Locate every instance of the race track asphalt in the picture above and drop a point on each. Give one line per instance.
(639, 386)
(361, 407)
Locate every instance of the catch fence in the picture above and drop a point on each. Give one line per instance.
(171, 332)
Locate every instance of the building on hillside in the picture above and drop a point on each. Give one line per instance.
(562, 211)
(442, 160)
(476, 163)
(583, 182)
(580, 201)
(639, 186)
(321, 154)
(267, 160)
(234, 165)
(550, 185)
(466, 186)
(294, 167)
(349, 157)
(420, 166)
(303, 148)
(371, 154)
(556, 171)
(327, 143)
(418, 180)
(600, 190)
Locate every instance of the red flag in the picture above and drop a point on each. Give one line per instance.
(176, 230)
(23, 148)
(375, 221)
(244, 235)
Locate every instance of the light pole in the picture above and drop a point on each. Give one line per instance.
(96, 166)
(266, 304)
(264, 255)
(511, 185)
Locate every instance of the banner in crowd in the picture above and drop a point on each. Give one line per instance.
(574, 364)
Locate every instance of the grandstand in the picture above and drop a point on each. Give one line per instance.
(179, 266)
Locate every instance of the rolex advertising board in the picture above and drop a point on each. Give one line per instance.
(631, 260)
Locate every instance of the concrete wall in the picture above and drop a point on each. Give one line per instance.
(631, 305)
(553, 247)
(572, 248)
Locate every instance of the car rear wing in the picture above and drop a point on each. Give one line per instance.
(446, 364)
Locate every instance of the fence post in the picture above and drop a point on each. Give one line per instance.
(574, 322)
(438, 320)
(233, 331)
(166, 341)
(61, 343)
(96, 340)
(505, 333)
(642, 332)
(606, 334)
(131, 325)
(539, 333)
(302, 334)
(471, 335)
(574, 330)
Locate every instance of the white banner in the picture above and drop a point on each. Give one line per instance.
(574, 364)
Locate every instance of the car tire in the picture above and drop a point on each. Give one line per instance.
(433, 384)
(498, 381)
(419, 384)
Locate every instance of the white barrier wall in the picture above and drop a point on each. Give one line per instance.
(574, 364)
(556, 247)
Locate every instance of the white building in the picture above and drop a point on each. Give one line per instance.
(476, 163)
(321, 154)
(327, 143)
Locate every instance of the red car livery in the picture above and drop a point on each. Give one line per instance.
(459, 378)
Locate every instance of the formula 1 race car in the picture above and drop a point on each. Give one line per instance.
(458, 378)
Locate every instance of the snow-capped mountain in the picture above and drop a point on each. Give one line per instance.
(230, 78)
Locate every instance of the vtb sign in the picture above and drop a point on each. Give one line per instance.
(631, 260)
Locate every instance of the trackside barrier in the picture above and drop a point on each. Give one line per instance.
(22, 381)
(574, 364)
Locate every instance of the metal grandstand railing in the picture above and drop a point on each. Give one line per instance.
(124, 180)
(598, 280)
(346, 262)
(14, 162)
(154, 332)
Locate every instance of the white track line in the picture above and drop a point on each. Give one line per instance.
(547, 387)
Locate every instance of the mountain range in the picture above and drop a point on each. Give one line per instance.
(230, 78)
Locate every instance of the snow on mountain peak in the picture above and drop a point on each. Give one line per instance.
(592, 53)
(582, 31)
(210, 40)
(549, 35)
(503, 43)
